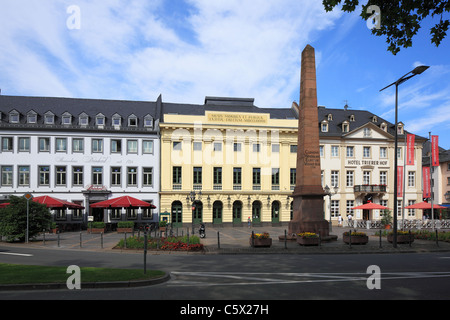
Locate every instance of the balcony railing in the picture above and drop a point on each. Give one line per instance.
(370, 188)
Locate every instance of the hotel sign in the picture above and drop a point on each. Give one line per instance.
(238, 118)
(367, 163)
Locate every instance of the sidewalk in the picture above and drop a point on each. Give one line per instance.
(234, 241)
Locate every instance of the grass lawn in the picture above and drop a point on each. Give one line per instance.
(22, 274)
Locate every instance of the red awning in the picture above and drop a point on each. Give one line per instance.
(370, 206)
(123, 202)
(54, 203)
(4, 205)
(424, 205)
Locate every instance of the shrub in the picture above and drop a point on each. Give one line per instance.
(96, 225)
(125, 224)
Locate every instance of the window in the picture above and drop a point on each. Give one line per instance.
(78, 145)
(132, 121)
(176, 175)
(293, 176)
(217, 176)
(334, 151)
(66, 119)
(321, 151)
(366, 152)
(383, 177)
(49, 118)
(147, 177)
(256, 147)
(44, 176)
(24, 176)
(97, 176)
(97, 145)
(256, 177)
(116, 176)
(14, 117)
(7, 175)
(335, 178)
(399, 153)
(366, 177)
(197, 175)
(24, 144)
(293, 148)
(367, 132)
(132, 176)
(197, 146)
(61, 145)
(334, 208)
(44, 144)
(411, 178)
(176, 145)
(61, 176)
(237, 147)
(350, 206)
(345, 127)
(132, 146)
(77, 174)
(83, 120)
(7, 144)
(350, 152)
(147, 146)
(116, 120)
(116, 146)
(324, 127)
(100, 120)
(275, 147)
(217, 146)
(275, 177)
(383, 152)
(31, 117)
(237, 176)
(411, 212)
(148, 121)
(350, 178)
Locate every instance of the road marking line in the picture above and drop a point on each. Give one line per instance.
(17, 254)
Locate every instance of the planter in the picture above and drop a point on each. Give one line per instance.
(356, 239)
(308, 241)
(401, 238)
(261, 243)
(387, 227)
(54, 230)
(124, 230)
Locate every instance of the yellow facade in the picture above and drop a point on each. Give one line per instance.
(230, 160)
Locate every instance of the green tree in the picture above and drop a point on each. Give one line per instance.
(400, 20)
(13, 219)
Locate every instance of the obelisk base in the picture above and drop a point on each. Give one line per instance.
(308, 215)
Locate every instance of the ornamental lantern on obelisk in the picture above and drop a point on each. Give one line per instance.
(308, 193)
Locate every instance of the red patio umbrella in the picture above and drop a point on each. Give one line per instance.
(4, 205)
(123, 202)
(55, 203)
(424, 205)
(370, 206)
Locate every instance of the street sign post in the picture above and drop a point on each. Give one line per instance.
(28, 196)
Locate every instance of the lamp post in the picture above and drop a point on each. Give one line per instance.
(192, 196)
(329, 193)
(409, 75)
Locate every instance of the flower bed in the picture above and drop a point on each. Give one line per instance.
(402, 237)
(167, 244)
(308, 239)
(260, 240)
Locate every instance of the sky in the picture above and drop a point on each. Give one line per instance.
(185, 50)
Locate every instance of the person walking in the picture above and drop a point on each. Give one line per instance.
(249, 222)
(340, 221)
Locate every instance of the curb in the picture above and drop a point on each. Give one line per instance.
(87, 285)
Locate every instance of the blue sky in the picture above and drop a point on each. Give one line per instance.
(189, 49)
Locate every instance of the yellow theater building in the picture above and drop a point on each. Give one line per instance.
(228, 161)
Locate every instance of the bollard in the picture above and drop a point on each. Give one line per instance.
(145, 252)
(350, 238)
(253, 238)
(437, 238)
(410, 237)
(380, 239)
(57, 232)
(44, 238)
(125, 240)
(218, 240)
(101, 239)
(80, 241)
(285, 239)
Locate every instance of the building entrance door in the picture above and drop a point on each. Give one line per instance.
(256, 212)
(237, 212)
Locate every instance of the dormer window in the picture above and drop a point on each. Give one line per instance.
(83, 119)
(374, 119)
(100, 119)
(14, 116)
(352, 118)
(324, 126)
(132, 121)
(330, 117)
(400, 128)
(383, 126)
(116, 120)
(31, 117)
(148, 121)
(345, 126)
(49, 118)
(66, 119)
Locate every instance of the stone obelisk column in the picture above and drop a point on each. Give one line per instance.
(308, 193)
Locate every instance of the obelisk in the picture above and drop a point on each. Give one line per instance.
(308, 193)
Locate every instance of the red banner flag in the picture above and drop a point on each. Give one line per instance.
(400, 181)
(410, 140)
(426, 182)
(435, 151)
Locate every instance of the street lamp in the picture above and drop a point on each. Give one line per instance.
(409, 75)
(192, 195)
(329, 193)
